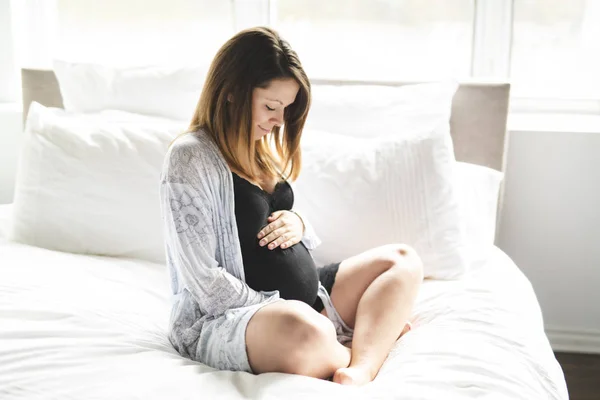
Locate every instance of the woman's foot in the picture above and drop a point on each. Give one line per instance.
(356, 375)
(352, 376)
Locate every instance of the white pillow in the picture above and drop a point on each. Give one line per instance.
(89, 183)
(165, 91)
(371, 110)
(360, 193)
(478, 188)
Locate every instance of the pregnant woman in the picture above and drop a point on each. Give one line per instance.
(247, 295)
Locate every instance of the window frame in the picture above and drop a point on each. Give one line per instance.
(533, 104)
(492, 39)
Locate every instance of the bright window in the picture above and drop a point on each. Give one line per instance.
(378, 39)
(548, 49)
(556, 49)
(137, 31)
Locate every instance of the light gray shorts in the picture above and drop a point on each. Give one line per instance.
(222, 342)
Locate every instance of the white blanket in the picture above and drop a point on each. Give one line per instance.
(83, 327)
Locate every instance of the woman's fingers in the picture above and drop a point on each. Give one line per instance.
(277, 241)
(279, 232)
(279, 237)
(273, 236)
(270, 228)
(285, 242)
(289, 243)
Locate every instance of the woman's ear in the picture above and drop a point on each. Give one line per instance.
(230, 98)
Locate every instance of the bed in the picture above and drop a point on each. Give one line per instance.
(78, 326)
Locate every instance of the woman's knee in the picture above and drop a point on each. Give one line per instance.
(310, 336)
(404, 262)
(295, 339)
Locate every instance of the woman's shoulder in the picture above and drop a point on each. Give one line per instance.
(194, 144)
(192, 151)
(190, 141)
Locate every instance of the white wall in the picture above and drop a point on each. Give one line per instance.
(10, 140)
(550, 227)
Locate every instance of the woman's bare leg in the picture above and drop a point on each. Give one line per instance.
(374, 293)
(291, 337)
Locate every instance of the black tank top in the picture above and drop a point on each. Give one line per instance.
(292, 271)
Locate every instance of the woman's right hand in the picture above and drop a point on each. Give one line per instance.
(285, 229)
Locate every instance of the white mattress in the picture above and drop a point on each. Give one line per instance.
(81, 327)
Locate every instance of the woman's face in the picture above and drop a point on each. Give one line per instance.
(269, 103)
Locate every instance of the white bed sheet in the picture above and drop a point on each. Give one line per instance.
(82, 327)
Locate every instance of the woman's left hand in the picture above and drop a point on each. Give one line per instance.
(285, 229)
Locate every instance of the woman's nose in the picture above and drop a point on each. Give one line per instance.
(278, 118)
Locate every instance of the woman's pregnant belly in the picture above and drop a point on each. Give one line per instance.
(292, 271)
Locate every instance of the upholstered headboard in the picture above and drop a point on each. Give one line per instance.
(478, 122)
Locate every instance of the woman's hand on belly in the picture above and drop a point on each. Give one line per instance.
(285, 229)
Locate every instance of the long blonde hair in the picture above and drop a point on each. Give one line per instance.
(250, 59)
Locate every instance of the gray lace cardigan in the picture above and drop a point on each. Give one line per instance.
(203, 250)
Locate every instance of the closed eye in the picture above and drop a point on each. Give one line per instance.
(270, 109)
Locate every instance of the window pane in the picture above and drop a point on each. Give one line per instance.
(556, 47)
(378, 39)
(135, 31)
